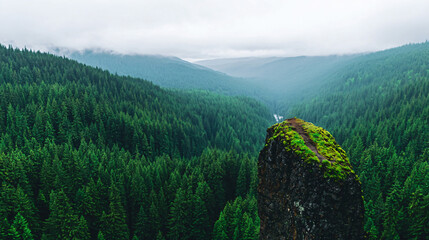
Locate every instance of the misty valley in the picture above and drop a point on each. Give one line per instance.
(98, 145)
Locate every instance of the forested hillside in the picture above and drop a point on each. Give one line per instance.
(378, 110)
(169, 72)
(85, 154)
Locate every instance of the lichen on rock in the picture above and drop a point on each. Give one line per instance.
(307, 188)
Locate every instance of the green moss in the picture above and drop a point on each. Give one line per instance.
(292, 141)
(326, 163)
(327, 146)
(336, 165)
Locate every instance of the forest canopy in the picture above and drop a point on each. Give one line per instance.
(85, 154)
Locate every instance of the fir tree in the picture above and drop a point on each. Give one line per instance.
(21, 227)
(113, 224)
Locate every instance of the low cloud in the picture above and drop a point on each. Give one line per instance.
(196, 29)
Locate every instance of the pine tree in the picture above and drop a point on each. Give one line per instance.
(419, 211)
(219, 230)
(371, 229)
(394, 213)
(215, 181)
(113, 224)
(204, 192)
(162, 210)
(26, 209)
(100, 236)
(82, 231)
(200, 224)
(4, 228)
(253, 180)
(243, 179)
(13, 234)
(155, 223)
(39, 127)
(179, 217)
(63, 223)
(142, 224)
(21, 226)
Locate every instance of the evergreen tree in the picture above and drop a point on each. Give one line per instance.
(13, 234)
(113, 224)
(394, 213)
(63, 223)
(21, 227)
(371, 229)
(243, 180)
(179, 216)
(142, 225)
(204, 192)
(220, 228)
(200, 221)
(154, 223)
(4, 228)
(100, 236)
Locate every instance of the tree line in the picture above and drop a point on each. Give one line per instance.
(85, 154)
(378, 111)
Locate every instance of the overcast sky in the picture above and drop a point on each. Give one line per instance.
(201, 29)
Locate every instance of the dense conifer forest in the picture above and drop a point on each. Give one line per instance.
(378, 110)
(85, 154)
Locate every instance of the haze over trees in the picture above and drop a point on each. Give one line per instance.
(87, 154)
(168, 72)
(378, 110)
(288, 80)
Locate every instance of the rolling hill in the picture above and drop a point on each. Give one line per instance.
(166, 71)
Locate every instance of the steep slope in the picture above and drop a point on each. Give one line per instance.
(119, 99)
(85, 154)
(378, 109)
(307, 189)
(169, 72)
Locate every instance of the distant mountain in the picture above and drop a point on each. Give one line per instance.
(239, 67)
(169, 72)
(281, 73)
(77, 142)
(288, 80)
(277, 82)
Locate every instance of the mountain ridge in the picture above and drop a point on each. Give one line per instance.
(166, 71)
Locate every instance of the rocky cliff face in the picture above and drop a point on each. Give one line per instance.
(307, 189)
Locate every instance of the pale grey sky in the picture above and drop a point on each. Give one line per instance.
(199, 29)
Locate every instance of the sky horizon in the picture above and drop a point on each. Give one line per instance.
(207, 29)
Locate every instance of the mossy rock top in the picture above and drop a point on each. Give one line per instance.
(314, 145)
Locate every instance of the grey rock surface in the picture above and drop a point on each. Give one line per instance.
(296, 201)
